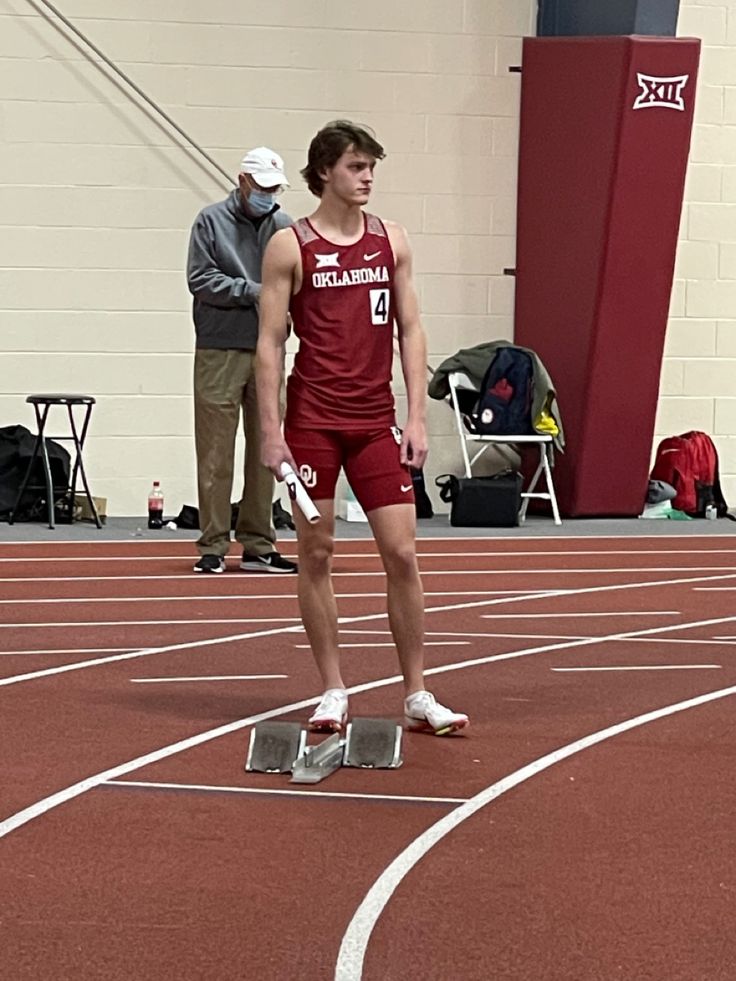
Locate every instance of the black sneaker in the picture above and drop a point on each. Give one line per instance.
(210, 563)
(273, 562)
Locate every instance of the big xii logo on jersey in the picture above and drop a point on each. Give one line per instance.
(663, 92)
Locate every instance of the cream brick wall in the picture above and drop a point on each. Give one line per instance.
(698, 388)
(97, 196)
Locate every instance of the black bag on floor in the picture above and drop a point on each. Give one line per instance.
(482, 502)
(281, 517)
(16, 450)
(188, 517)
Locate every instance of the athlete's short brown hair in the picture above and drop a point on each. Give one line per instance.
(329, 145)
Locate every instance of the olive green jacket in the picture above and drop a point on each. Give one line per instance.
(473, 362)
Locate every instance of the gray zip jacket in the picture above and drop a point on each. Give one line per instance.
(224, 272)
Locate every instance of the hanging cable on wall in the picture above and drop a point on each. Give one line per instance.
(129, 81)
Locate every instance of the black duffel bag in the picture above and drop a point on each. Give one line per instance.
(16, 450)
(482, 502)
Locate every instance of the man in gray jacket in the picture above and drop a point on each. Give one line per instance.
(226, 248)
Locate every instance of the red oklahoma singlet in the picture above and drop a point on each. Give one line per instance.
(343, 316)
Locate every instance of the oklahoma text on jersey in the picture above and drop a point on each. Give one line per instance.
(350, 277)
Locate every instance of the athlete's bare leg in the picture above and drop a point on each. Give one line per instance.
(394, 528)
(316, 594)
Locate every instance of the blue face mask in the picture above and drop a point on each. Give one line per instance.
(260, 203)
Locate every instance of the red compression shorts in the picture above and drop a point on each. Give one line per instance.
(371, 461)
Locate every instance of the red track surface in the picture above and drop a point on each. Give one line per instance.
(614, 861)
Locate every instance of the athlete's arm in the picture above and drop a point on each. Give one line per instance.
(413, 348)
(279, 266)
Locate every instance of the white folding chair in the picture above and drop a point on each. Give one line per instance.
(458, 380)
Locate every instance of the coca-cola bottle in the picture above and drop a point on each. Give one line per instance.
(155, 506)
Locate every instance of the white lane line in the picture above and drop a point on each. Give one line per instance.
(644, 667)
(82, 786)
(135, 542)
(238, 598)
(723, 641)
(286, 793)
(65, 559)
(713, 589)
(565, 570)
(550, 616)
(79, 665)
(349, 966)
(427, 643)
(200, 582)
(95, 600)
(479, 553)
(471, 633)
(71, 650)
(615, 640)
(75, 624)
(207, 677)
(476, 554)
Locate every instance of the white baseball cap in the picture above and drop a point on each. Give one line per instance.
(265, 167)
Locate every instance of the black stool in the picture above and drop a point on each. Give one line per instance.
(41, 405)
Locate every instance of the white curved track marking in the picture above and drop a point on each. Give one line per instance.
(351, 955)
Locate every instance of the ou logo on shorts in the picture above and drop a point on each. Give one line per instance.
(307, 476)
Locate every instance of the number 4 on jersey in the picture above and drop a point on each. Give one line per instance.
(379, 306)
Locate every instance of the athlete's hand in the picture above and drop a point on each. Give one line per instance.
(414, 445)
(274, 452)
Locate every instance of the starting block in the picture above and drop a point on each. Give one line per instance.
(373, 744)
(274, 746)
(280, 747)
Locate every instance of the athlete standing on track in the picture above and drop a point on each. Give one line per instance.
(345, 276)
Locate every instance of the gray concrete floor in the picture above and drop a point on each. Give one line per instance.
(125, 529)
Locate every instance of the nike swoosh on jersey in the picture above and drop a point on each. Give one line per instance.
(405, 489)
(372, 255)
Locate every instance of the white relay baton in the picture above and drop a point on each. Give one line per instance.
(298, 493)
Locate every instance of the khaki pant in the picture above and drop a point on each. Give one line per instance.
(224, 383)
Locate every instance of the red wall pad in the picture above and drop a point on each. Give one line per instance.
(605, 133)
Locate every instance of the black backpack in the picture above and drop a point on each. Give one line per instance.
(504, 405)
(16, 450)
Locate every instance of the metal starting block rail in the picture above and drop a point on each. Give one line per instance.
(319, 761)
(281, 747)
